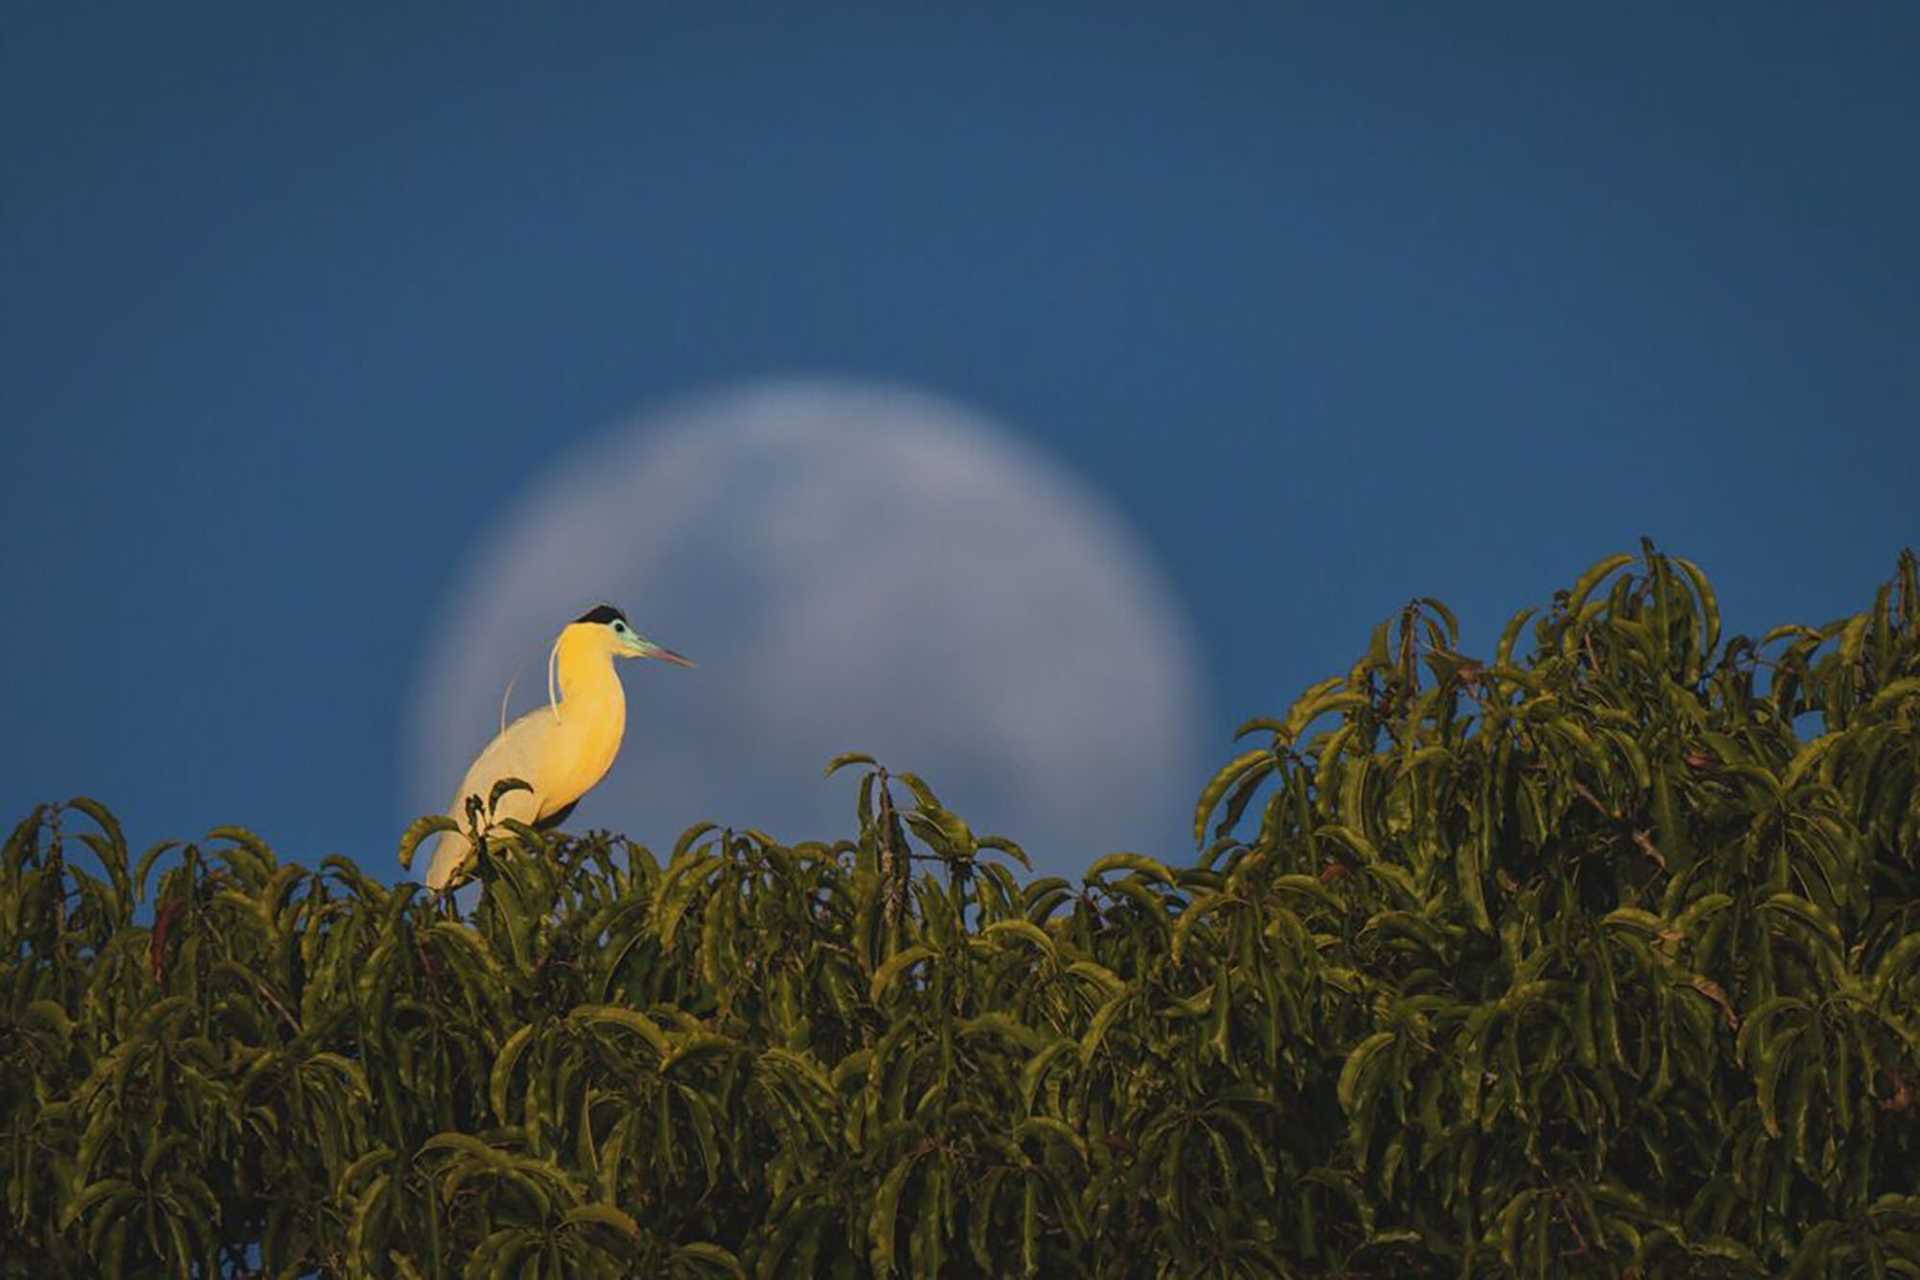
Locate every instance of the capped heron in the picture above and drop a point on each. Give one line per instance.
(561, 750)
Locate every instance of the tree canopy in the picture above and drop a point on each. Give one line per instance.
(1594, 956)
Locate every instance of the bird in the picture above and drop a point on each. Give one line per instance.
(561, 750)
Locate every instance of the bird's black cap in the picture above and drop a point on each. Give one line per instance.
(602, 613)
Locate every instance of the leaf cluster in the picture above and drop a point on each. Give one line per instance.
(1596, 960)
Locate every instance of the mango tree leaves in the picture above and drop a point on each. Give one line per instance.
(1577, 961)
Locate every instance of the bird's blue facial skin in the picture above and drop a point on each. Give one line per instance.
(629, 643)
(627, 640)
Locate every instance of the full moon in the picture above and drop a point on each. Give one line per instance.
(854, 568)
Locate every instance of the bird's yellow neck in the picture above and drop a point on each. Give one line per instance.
(583, 667)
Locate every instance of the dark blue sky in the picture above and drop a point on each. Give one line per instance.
(1337, 304)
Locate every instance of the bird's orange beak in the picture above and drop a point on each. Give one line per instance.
(631, 645)
(668, 655)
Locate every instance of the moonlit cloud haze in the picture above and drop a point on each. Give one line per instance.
(853, 568)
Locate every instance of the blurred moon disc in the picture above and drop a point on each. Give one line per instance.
(853, 567)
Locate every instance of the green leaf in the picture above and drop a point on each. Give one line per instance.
(417, 831)
(687, 839)
(145, 865)
(1260, 759)
(1353, 1072)
(1101, 1021)
(1709, 607)
(504, 1062)
(614, 1016)
(709, 1256)
(1470, 860)
(604, 1215)
(92, 1194)
(846, 758)
(502, 788)
(1595, 574)
(1007, 847)
(1896, 965)
(1032, 934)
(1894, 691)
(1138, 862)
(1773, 1061)
(886, 1209)
(365, 1234)
(896, 964)
(1503, 651)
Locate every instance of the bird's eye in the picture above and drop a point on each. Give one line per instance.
(620, 628)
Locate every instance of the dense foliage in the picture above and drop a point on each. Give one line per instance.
(1583, 962)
